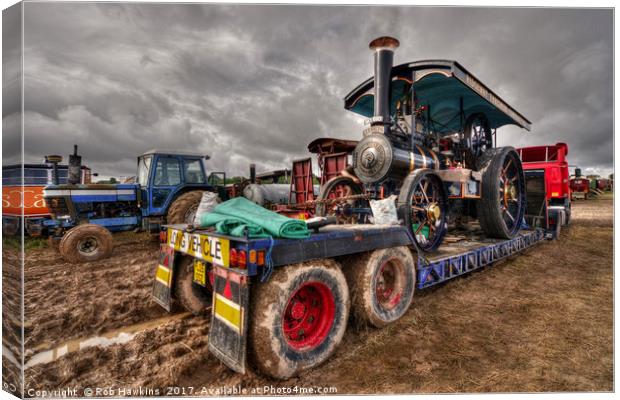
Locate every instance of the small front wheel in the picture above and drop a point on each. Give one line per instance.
(423, 206)
(86, 243)
(298, 318)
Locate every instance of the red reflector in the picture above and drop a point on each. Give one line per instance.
(234, 258)
(242, 259)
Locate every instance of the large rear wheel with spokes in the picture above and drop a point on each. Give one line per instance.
(479, 138)
(343, 198)
(502, 204)
(422, 205)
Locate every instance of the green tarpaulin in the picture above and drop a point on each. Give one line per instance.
(237, 216)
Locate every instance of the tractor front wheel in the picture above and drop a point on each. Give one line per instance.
(86, 243)
(298, 318)
(183, 208)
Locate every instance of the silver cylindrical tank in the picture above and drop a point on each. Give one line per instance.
(276, 193)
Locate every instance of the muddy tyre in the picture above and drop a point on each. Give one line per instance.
(502, 203)
(298, 318)
(183, 208)
(381, 285)
(190, 295)
(86, 243)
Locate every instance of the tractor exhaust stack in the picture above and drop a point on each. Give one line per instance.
(75, 167)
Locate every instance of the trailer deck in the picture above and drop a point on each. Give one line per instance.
(230, 281)
(457, 256)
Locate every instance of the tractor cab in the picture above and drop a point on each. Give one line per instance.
(164, 175)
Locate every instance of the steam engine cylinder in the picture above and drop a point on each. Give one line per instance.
(376, 159)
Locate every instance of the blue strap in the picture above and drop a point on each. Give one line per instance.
(268, 270)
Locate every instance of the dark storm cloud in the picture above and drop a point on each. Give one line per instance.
(257, 83)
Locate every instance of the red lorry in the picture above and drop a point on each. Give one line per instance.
(546, 174)
(579, 186)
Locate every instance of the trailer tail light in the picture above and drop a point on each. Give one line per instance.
(260, 257)
(242, 259)
(252, 257)
(234, 258)
(163, 236)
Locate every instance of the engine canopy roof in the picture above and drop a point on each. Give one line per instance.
(439, 85)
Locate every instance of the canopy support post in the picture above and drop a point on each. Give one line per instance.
(461, 114)
(413, 112)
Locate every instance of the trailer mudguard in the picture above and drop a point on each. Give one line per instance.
(229, 318)
(162, 286)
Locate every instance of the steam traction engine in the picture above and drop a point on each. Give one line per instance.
(430, 143)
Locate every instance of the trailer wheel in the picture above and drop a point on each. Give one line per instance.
(190, 295)
(328, 202)
(381, 285)
(423, 206)
(298, 318)
(502, 203)
(183, 208)
(86, 243)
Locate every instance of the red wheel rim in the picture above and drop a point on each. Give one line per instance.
(309, 316)
(389, 284)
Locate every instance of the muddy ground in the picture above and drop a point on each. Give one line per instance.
(538, 322)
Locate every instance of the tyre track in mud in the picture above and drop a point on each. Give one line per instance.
(65, 301)
(488, 331)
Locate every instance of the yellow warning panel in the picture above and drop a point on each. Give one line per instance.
(227, 312)
(163, 275)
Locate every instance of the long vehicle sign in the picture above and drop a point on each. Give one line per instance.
(207, 248)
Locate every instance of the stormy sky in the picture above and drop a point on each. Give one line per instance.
(257, 83)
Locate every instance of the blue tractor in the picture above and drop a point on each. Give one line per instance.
(168, 189)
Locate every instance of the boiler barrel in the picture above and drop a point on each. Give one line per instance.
(375, 159)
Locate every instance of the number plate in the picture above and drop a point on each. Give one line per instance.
(207, 248)
(200, 273)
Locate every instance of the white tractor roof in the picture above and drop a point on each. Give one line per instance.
(174, 152)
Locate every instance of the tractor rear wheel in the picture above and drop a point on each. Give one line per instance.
(189, 294)
(86, 243)
(183, 208)
(502, 204)
(381, 285)
(298, 317)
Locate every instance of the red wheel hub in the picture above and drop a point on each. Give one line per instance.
(389, 284)
(309, 316)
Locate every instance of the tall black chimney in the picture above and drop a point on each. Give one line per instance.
(384, 56)
(252, 173)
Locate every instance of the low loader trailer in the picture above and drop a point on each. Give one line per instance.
(428, 159)
(286, 303)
